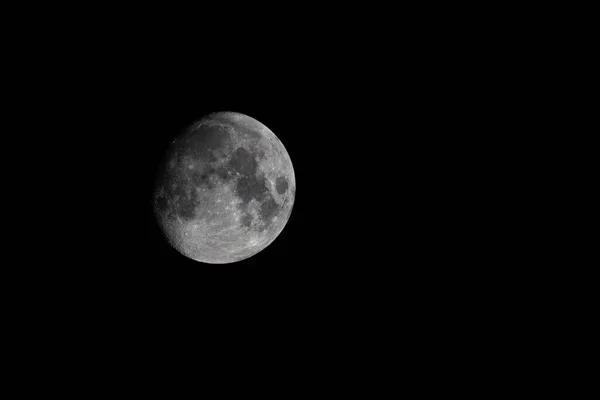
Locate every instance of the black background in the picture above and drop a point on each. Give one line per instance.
(364, 118)
(379, 120)
(405, 245)
(353, 116)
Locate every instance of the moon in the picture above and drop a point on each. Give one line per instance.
(225, 189)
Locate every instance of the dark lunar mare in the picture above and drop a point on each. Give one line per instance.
(247, 220)
(268, 209)
(252, 185)
(202, 179)
(243, 162)
(281, 185)
(249, 188)
(224, 174)
(249, 185)
(186, 204)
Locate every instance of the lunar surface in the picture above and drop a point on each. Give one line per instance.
(225, 189)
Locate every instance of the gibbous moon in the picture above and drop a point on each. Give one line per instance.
(225, 190)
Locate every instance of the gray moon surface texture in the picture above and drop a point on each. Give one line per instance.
(225, 190)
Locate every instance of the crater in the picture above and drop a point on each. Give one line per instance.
(281, 185)
(246, 220)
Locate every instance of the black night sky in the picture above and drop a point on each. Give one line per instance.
(396, 231)
(359, 137)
